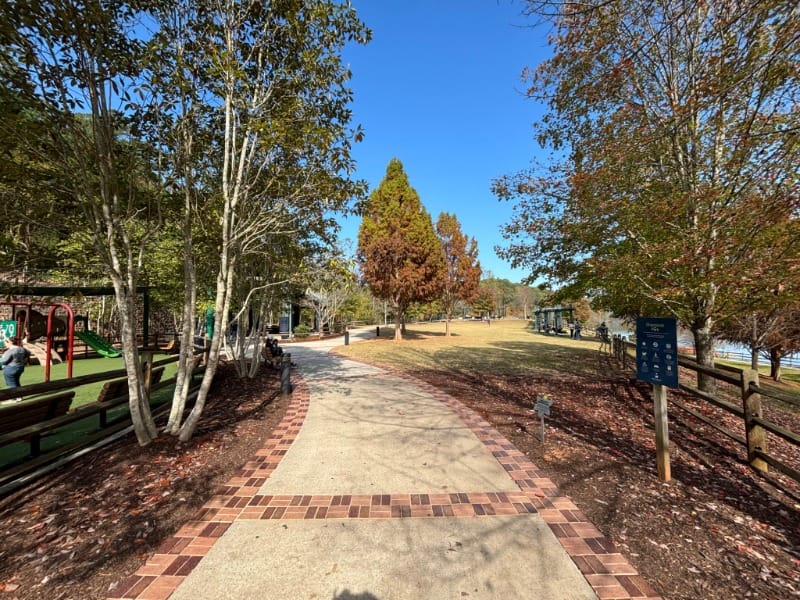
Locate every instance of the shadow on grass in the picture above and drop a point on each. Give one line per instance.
(528, 358)
(411, 334)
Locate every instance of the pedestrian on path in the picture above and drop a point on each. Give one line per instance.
(13, 362)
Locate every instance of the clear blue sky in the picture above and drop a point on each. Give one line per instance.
(440, 88)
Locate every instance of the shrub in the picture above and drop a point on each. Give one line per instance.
(302, 330)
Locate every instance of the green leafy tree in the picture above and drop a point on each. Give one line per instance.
(483, 304)
(85, 59)
(764, 313)
(330, 281)
(677, 121)
(400, 256)
(503, 294)
(271, 109)
(462, 270)
(361, 306)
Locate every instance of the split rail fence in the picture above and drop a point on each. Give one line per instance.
(739, 394)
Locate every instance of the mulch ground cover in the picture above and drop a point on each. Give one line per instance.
(76, 533)
(716, 531)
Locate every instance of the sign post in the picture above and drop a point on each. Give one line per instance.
(542, 408)
(657, 362)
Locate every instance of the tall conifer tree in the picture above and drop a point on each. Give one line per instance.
(400, 256)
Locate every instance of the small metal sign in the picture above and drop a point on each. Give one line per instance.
(657, 351)
(542, 408)
(8, 329)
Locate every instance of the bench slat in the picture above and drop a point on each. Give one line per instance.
(30, 419)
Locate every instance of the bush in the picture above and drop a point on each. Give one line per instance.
(302, 331)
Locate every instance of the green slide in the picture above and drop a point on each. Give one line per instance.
(102, 345)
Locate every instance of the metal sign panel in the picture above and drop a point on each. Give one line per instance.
(657, 350)
(542, 406)
(8, 329)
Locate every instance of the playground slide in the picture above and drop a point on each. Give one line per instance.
(39, 351)
(101, 345)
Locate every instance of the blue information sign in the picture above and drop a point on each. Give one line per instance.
(657, 351)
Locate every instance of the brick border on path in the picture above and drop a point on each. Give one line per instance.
(609, 573)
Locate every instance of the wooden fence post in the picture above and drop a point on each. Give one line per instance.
(754, 434)
(662, 431)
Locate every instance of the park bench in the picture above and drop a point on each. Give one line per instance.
(115, 392)
(29, 419)
(171, 347)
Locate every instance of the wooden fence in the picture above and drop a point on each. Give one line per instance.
(10, 473)
(755, 432)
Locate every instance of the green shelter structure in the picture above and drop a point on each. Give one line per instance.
(553, 319)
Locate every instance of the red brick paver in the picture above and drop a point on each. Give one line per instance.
(608, 573)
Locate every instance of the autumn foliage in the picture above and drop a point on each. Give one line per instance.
(400, 256)
(462, 270)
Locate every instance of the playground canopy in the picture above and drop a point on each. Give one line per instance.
(12, 291)
(49, 293)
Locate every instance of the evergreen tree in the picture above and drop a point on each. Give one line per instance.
(400, 256)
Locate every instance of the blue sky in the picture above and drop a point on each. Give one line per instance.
(440, 88)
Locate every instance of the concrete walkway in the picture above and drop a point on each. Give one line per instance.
(378, 487)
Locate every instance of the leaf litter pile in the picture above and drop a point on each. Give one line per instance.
(77, 532)
(716, 531)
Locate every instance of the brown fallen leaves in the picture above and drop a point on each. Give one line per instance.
(716, 531)
(76, 533)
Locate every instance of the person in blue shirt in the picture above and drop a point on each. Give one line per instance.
(13, 362)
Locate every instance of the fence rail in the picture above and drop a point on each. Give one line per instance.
(755, 428)
(17, 468)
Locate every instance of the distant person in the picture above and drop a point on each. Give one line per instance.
(602, 333)
(572, 331)
(13, 362)
(577, 330)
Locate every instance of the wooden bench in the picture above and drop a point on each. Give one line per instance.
(29, 419)
(171, 347)
(115, 392)
(273, 361)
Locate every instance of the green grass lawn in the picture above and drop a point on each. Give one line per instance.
(87, 393)
(509, 347)
(789, 376)
(16, 453)
(505, 347)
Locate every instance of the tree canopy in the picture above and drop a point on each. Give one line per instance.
(400, 256)
(676, 124)
(462, 271)
(230, 118)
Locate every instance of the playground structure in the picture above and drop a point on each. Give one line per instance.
(555, 318)
(59, 333)
(31, 325)
(98, 343)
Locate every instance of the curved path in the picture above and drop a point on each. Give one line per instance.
(379, 487)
